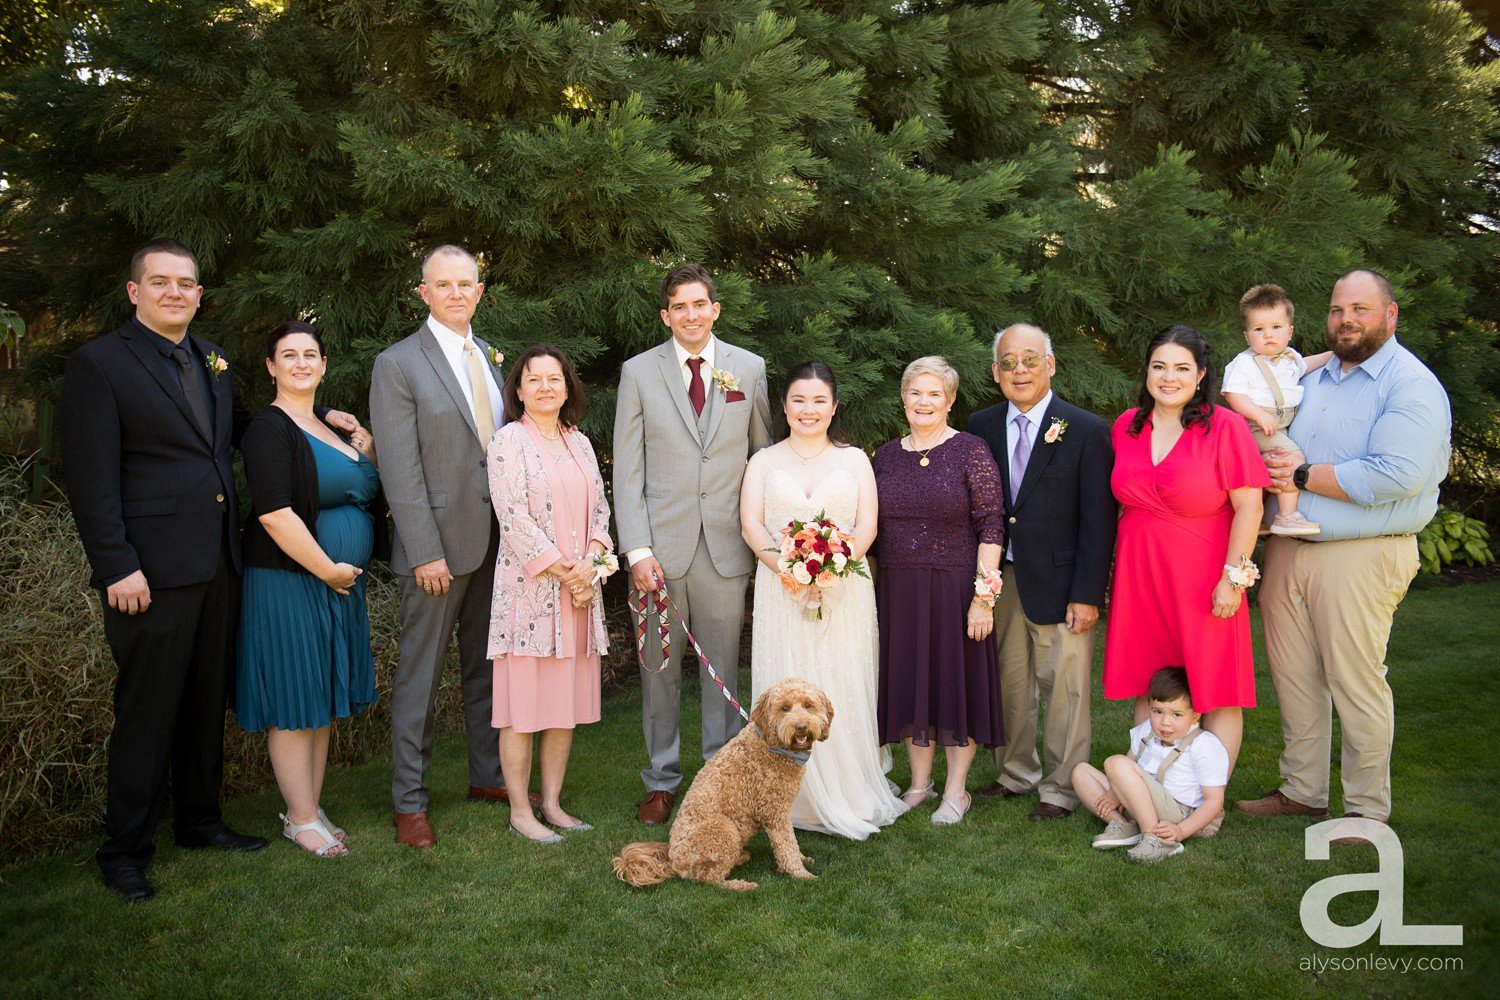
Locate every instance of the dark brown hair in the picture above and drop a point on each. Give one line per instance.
(159, 245)
(573, 406)
(1169, 684)
(686, 275)
(1198, 409)
(1266, 297)
(291, 326)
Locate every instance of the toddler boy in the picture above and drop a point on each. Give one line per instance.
(1262, 385)
(1170, 785)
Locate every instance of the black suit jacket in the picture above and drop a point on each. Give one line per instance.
(1061, 524)
(148, 490)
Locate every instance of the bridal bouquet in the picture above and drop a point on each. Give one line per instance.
(815, 556)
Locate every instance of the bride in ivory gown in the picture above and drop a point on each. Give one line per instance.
(844, 791)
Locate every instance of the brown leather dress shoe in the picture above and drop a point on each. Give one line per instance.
(502, 794)
(1276, 804)
(1049, 811)
(656, 809)
(995, 790)
(413, 830)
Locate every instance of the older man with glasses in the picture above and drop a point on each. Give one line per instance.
(1055, 461)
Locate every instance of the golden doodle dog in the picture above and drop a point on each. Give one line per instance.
(748, 786)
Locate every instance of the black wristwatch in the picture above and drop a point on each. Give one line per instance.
(1299, 476)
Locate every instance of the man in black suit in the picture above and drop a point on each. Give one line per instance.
(149, 413)
(1055, 461)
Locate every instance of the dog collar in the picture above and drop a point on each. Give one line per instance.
(799, 757)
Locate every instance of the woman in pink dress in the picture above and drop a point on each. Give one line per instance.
(546, 623)
(1188, 477)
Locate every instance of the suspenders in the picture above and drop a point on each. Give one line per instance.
(1270, 377)
(1175, 752)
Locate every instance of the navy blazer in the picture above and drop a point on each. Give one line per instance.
(1061, 524)
(149, 490)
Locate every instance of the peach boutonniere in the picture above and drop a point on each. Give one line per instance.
(1058, 428)
(496, 356)
(216, 364)
(726, 380)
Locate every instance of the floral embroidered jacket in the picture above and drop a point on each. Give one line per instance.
(525, 612)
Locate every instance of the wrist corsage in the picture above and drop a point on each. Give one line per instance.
(987, 586)
(605, 566)
(1243, 574)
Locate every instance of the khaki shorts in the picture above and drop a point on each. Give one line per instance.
(1168, 809)
(1278, 440)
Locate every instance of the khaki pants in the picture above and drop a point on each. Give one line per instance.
(1168, 809)
(1053, 662)
(1327, 608)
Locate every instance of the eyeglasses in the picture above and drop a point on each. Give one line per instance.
(1031, 361)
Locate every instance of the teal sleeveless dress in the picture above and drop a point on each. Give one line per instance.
(304, 651)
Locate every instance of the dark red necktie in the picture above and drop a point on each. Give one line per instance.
(695, 385)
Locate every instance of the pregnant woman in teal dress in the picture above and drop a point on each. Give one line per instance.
(304, 640)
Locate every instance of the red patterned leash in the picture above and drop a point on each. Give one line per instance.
(655, 606)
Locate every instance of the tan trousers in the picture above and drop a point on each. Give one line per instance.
(1327, 608)
(1053, 662)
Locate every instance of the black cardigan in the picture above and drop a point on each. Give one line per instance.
(282, 472)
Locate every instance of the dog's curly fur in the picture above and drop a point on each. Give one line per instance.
(743, 789)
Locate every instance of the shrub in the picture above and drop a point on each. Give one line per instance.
(57, 682)
(1451, 537)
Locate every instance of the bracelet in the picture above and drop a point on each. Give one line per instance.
(1243, 574)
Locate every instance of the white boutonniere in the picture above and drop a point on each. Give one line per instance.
(496, 356)
(1058, 428)
(605, 565)
(726, 380)
(216, 364)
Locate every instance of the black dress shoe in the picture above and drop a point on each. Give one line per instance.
(130, 883)
(996, 790)
(223, 838)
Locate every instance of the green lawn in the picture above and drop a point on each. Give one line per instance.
(997, 906)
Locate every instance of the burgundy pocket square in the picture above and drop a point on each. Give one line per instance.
(734, 396)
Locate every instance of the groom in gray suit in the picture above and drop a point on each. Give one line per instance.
(435, 403)
(689, 414)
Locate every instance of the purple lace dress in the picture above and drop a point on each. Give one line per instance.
(936, 684)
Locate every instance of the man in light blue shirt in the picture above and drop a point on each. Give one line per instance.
(1373, 429)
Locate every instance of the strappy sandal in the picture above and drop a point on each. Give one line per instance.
(926, 792)
(290, 831)
(337, 831)
(953, 814)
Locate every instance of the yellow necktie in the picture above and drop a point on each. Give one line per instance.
(484, 417)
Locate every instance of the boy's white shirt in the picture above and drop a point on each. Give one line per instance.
(1243, 376)
(1204, 762)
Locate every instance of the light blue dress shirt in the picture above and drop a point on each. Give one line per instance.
(1385, 427)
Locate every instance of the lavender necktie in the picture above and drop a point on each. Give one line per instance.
(1021, 457)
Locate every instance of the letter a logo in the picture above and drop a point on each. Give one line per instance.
(1388, 883)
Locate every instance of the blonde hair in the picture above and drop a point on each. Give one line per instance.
(932, 364)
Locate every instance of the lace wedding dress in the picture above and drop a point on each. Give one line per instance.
(844, 790)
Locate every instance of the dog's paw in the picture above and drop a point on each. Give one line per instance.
(740, 885)
(806, 860)
(804, 875)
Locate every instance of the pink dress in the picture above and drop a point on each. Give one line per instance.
(533, 693)
(1173, 537)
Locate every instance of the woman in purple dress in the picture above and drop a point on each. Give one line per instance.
(941, 525)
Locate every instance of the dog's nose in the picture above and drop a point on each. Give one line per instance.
(801, 727)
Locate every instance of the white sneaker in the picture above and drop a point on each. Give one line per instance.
(1152, 849)
(1118, 833)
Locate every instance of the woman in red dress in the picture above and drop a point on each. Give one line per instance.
(1188, 476)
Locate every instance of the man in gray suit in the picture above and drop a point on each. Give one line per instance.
(689, 414)
(435, 402)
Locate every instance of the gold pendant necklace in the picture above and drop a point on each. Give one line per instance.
(925, 462)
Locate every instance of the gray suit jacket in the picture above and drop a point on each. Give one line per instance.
(432, 463)
(670, 482)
